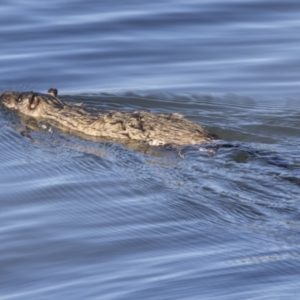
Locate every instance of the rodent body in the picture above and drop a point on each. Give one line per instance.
(153, 129)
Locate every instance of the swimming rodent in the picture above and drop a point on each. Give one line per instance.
(171, 131)
(142, 126)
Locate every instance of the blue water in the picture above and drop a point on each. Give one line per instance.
(81, 219)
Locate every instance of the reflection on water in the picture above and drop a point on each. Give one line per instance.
(84, 218)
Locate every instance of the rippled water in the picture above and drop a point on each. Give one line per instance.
(82, 219)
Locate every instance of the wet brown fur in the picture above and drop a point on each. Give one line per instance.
(142, 126)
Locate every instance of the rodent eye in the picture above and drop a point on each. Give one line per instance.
(19, 99)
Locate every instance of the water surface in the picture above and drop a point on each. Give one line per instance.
(82, 219)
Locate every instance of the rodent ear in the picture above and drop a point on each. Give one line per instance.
(33, 100)
(53, 92)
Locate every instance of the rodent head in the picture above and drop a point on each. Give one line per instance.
(22, 102)
(30, 103)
